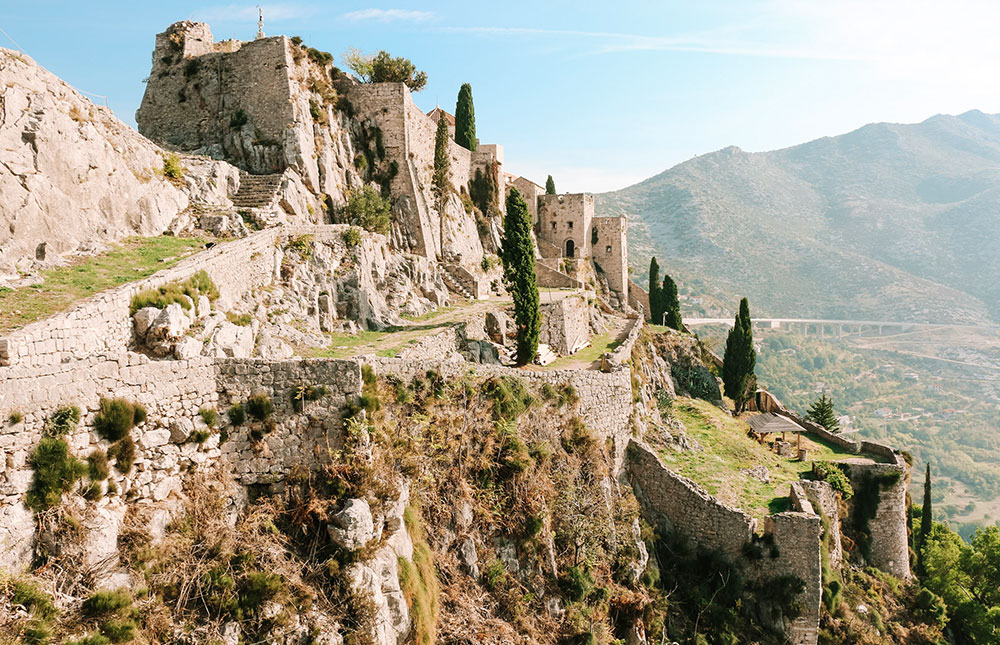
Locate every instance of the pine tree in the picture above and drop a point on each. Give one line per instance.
(465, 119)
(671, 304)
(926, 521)
(518, 255)
(740, 359)
(441, 158)
(550, 186)
(822, 413)
(655, 302)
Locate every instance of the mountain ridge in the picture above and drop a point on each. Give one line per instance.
(889, 220)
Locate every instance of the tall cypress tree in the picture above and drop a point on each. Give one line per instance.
(655, 302)
(441, 159)
(550, 186)
(518, 255)
(671, 303)
(740, 359)
(465, 119)
(926, 521)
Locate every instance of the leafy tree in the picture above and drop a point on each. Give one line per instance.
(366, 208)
(384, 68)
(740, 359)
(670, 304)
(926, 522)
(655, 307)
(550, 186)
(465, 119)
(441, 159)
(518, 254)
(822, 413)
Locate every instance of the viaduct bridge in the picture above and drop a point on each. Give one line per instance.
(842, 328)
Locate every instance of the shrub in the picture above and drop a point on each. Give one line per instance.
(533, 525)
(93, 639)
(209, 416)
(92, 491)
(931, 608)
(97, 466)
(303, 393)
(495, 575)
(199, 436)
(514, 456)
(365, 207)
(200, 284)
(259, 406)
(385, 68)
(510, 397)
(55, 473)
(139, 416)
(241, 320)
(172, 167)
(352, 237)
(237, 415)
(103, 603)
(118, 631)
(833, 475)
(256, 589)
(577, 437)
(15, 417)
(577, 583)
(239, 119)
(115, 418)
(63, 420)
(123, 452)
(568, 395)
(34, 600)
(548, 392)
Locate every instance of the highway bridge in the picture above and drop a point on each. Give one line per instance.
(842, 328)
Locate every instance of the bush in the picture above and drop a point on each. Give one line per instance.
(239, 119)
(259, 406)
(931, 608)
(123, 452)
(97, 466)
(15, 417)
(352, 237)
(303, 393)
(366, 208)
(495, 575)
(63, 420)
(237, 415)
(55, 473)
(833, 475)
(199, 436)
(209, 416)
(514, 455)
(200, 284)
(240, 320)
(34, 600)
(103, 603)
(115, 418)
(510, 397)
(256, 589)
(172, 167)
(118, 631)
(533, 525)
(577, 583)
(92, 491)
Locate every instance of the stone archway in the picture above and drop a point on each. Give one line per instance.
(570, 247)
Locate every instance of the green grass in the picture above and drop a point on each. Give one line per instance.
(133, 259)
(726, 449)
(598, 345)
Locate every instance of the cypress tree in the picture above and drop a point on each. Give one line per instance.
(926, 521)
(441, 160)
(518, 255)
(740, 359)
(550, 186)
(822, 413)
(465, 119)
(655, 308)
(671, 303)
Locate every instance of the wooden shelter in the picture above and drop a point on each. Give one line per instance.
(767, 423)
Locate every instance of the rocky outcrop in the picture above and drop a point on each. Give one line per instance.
(61, 154)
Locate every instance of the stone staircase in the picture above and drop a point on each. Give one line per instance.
(453, 283)
(256, 191)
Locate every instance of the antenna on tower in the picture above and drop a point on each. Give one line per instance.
(260, 22)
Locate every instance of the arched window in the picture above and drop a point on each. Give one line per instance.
(570, 248)
(593, 235)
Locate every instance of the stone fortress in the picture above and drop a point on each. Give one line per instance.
(299, 137)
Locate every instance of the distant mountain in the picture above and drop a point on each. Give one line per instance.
(890, 221)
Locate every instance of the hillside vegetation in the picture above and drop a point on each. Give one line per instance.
(888, 222)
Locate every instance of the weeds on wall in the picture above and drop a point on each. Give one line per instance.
(185, 293)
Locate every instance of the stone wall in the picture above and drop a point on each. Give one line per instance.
(553, 279)
(567, 217)
(530, 191)
(638, 298)
(610, 251)
(679, 504)
(102, 324)
(565, 324)
(890, 549)
(797, 538)
(825, 501)
(622, 354)
(172, 392)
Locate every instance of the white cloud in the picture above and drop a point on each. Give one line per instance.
(239, 12)
(389, 15)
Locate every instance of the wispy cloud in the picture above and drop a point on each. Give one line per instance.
(611, 42)
(389, 15)
(240, 12)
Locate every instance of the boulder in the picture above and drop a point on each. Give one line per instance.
(352, 527)
(168, 327)
(469, 558)
(231, 341)
(188, 347)
(143, 319)
(181, 429)
(497, 326)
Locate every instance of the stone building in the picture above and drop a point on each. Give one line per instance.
(437, 114)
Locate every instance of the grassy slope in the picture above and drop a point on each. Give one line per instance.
(726, 450)
(135, 258)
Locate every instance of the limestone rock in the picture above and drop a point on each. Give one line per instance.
(181, 429)
(188, 347)
(498, 325)
(469, 558)
(352, 527)
(143, 319)
(231, 341)
(167, 329)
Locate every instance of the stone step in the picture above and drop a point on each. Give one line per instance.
(256, 191)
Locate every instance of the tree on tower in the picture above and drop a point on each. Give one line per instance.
(518, 255)
(550, 186)
(465, 119)
(441, 159)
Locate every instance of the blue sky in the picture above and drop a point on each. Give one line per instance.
(599, 94)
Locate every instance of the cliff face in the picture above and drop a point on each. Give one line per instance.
(72, 176)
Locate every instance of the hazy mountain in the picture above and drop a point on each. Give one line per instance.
(889, 221)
